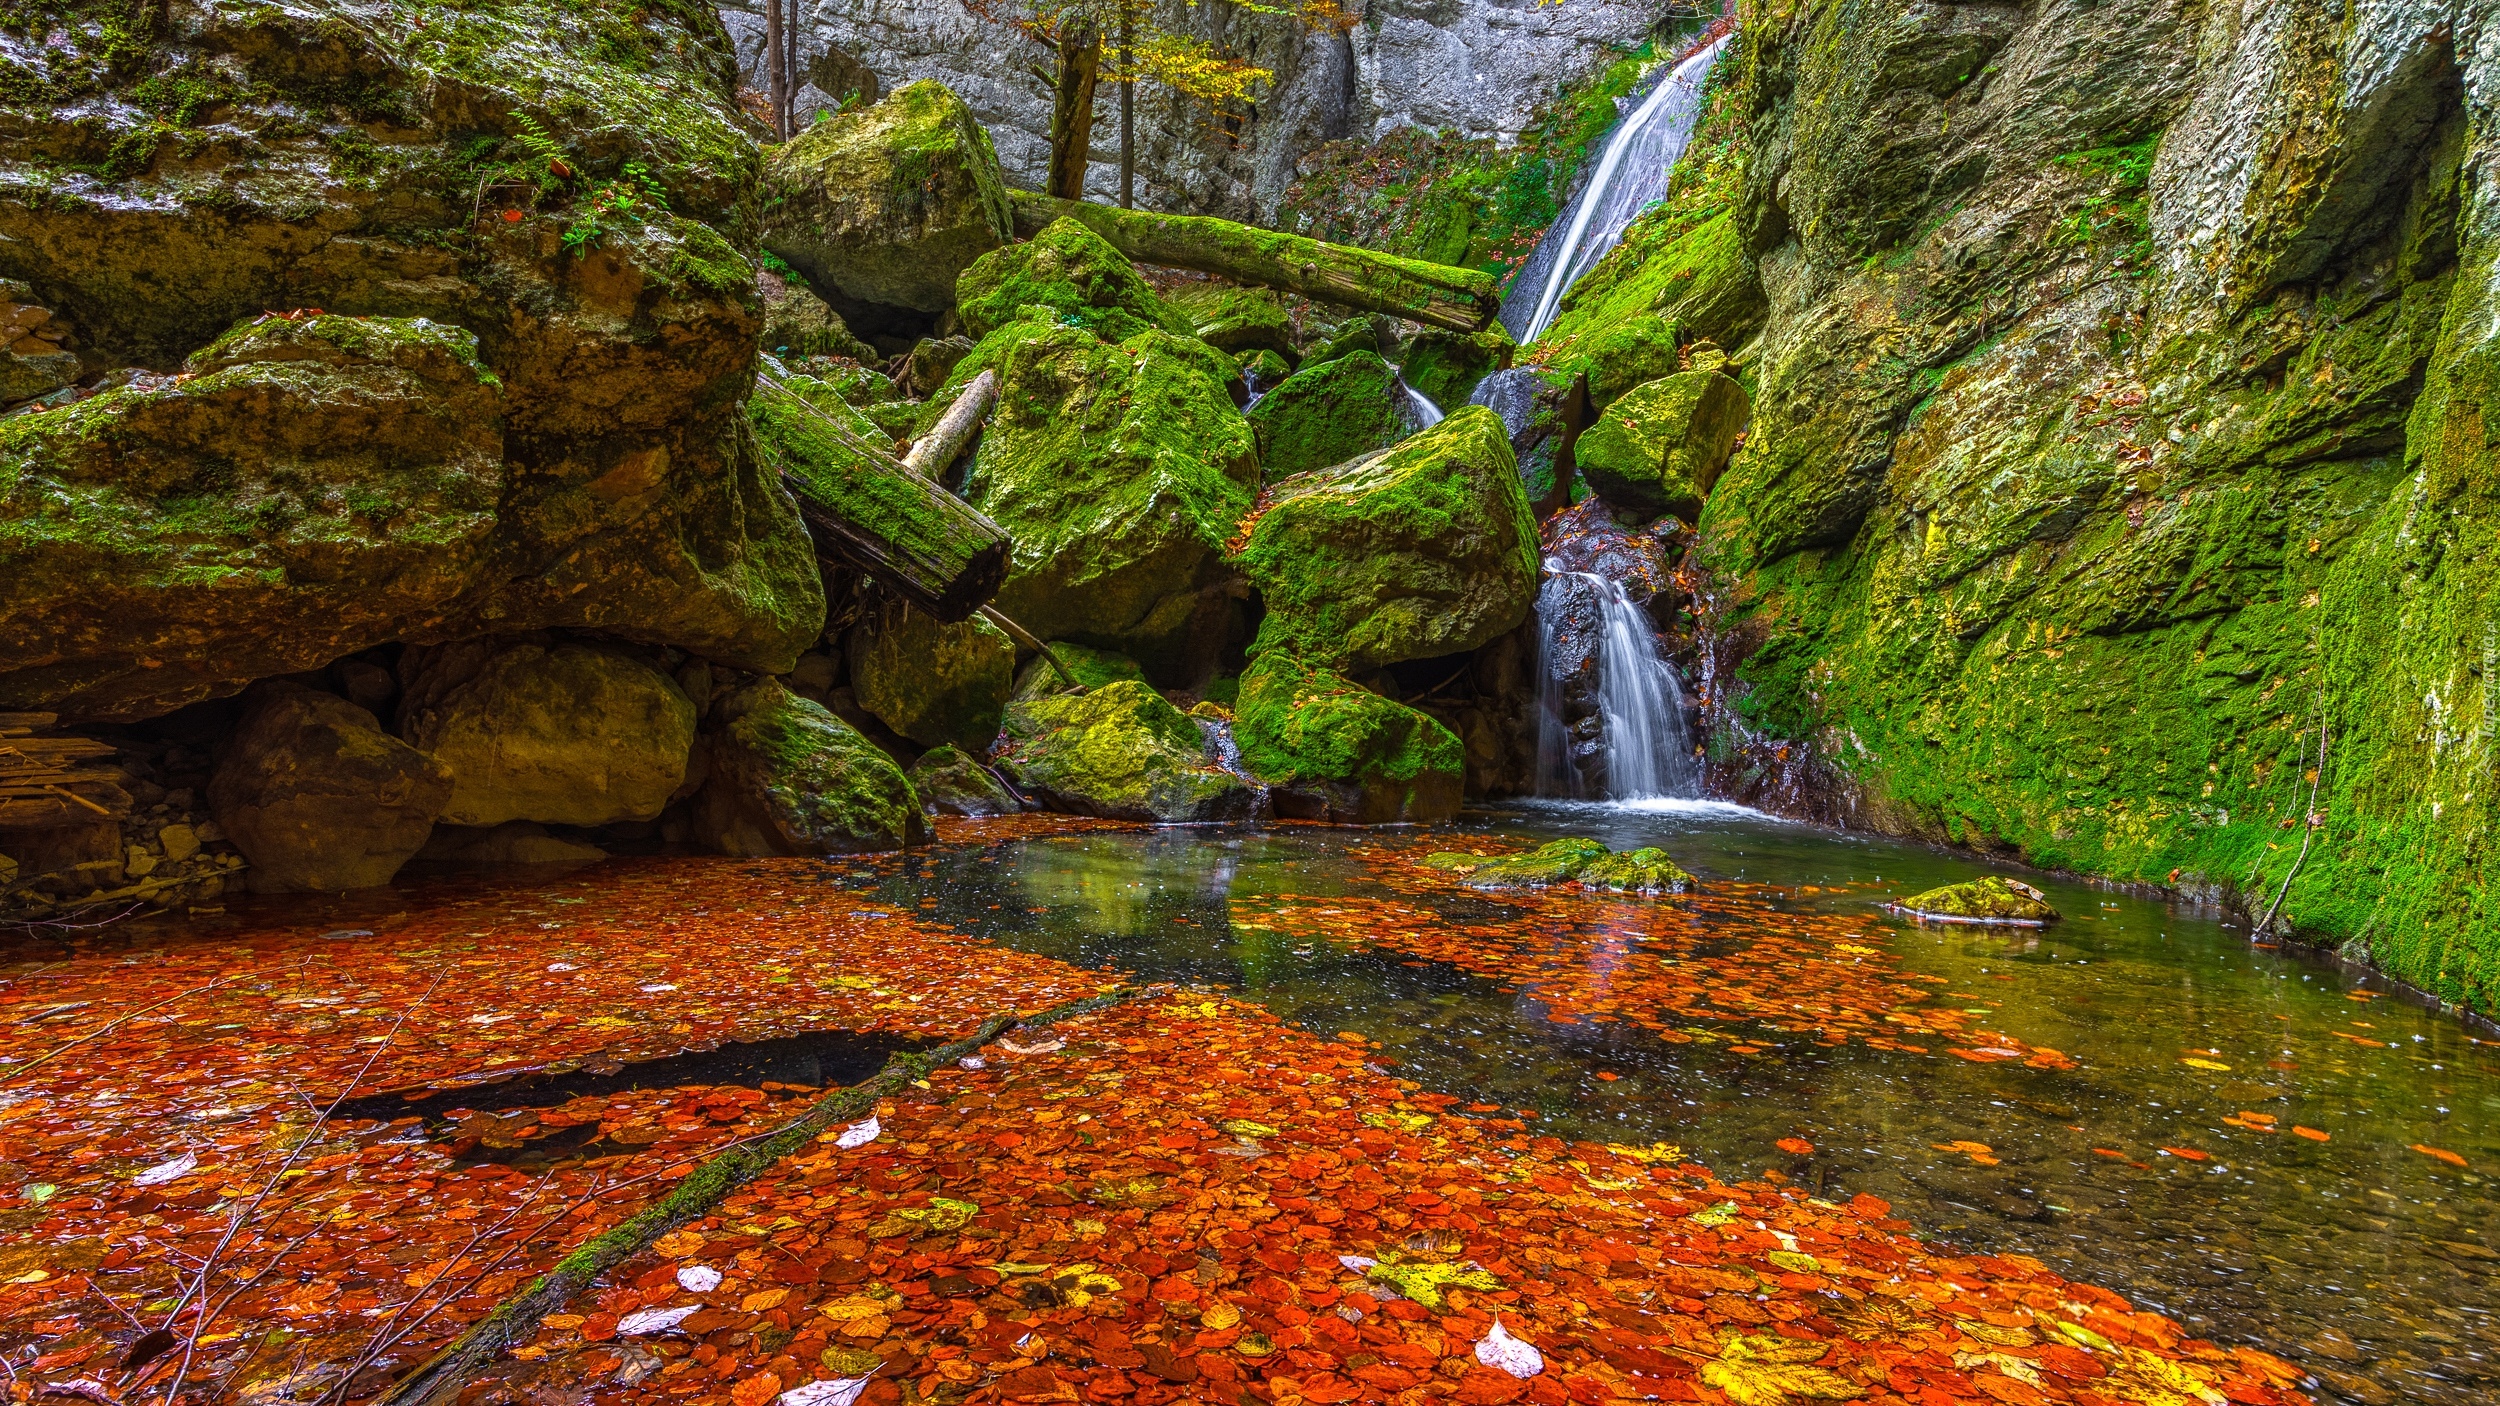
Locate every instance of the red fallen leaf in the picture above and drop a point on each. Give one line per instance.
(512, 217)
(1608, 1075)
(2310, 1133)
(2108, 1152)
(1328, 1388)
(755, 1390)
(1866, 1207)
(2441, 1153)
(1026, 1383)
(2189, 1153)
(1797, 1145)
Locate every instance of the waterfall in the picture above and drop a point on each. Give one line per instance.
(1632, 721)
(1419, 407)
(1632, 170)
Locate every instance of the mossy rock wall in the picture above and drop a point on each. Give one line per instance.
(577, 460)
(2119, 490)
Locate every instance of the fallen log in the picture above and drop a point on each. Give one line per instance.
(1437, 295)
(441, 1378)
(935, 452)
(867, 508)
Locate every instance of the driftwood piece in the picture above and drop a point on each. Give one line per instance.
(1436, 295)
(1029, 640)
(937, 451)
(867, 508)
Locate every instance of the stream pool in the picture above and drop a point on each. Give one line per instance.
(2264, 1146)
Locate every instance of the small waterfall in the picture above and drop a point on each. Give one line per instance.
(1632, 722)
(1632, 170)
(1419, 407)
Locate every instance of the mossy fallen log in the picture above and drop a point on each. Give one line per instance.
(442, 1377)
(865, 507)
(1437, 295)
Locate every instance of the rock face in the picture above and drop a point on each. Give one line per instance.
(1327, 414)
(1119, 471)
(490, 431)
(887, 204)
(788, 777)
(950, 782)
(318, 797)
(1479, 66)
(1339, 752)
(565, 734)
(1424, 551)
(2119, 455)
(1123, 753)
(935, 683)
(1660, 447)
(1070, 270)
(1994, 899)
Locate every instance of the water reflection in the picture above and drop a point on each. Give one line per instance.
(2165, 1164)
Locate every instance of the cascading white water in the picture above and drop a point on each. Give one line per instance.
(1633, 169)
(1645, 736)
(1420, 406)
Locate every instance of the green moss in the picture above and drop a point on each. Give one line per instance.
(1557, 863)
(1070, 270)
(1623, 322)
(1231, 318)
(1119, 751)
(1426, 550)
(1638, 871)
(788, 777)
(933, 682)
(1659, 448)
(1093, 668)
(1327, 414)
(1373, 758)
(1988, 900)
(1445, 366)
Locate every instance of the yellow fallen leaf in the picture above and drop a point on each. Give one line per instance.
(2213, 1064)
(762, 1299)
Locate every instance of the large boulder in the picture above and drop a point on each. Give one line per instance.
(1661, 446)
(1122, 752)
(951, 781)
(1446, 367)
(1232, 318)
(520, 413)
(1072, 271)
(1428, 549)
(936, 683)
(1329, 413)
(1337, 751)
(798, 324)
(559, 733)
(318, 797)
(1119, 472)
(888, 204)
(788, 777)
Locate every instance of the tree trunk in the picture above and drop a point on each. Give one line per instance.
(790, 72)
(1128, 114)
(940, 447)
(862, 506)
(776, 82)
(1437, 295)
(1072, 111)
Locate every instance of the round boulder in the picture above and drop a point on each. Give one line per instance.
(318, 797)
(563, 734)
(935, 683)
(788, 777)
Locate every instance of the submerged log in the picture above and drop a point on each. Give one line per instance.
(1436, 295)
(864, 506)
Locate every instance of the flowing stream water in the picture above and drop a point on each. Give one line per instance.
(2366, 1260)
(1632, 170)
(1645, 731)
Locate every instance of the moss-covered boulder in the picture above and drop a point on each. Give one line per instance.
(938, 684)
(1337, 751)
(1072, 271)
(1645, 870)
(1670, 281)
(1263, 370)
(888, 204)
(1557, 863)
(1660, 447)
(559, 733)
(1235, 319)
(1426, 550)
(168, 174)
(1119, 472)
(318, 797)
(1445, 366)
(1327, 414)
(951, 781)
(1122, 752)
(1994, 899)
(1093, 668)
(788, 777)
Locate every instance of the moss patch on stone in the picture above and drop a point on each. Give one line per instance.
(1072, 271)
(1660, 447)
(788, 777)
(1426, 550)
(1122, 752)
(938, 684)
(1993, 899)
(1364, 758)
(1327, 414)
(1093, 668)
(1647, 870)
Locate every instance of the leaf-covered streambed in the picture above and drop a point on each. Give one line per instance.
(1359, 1133)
